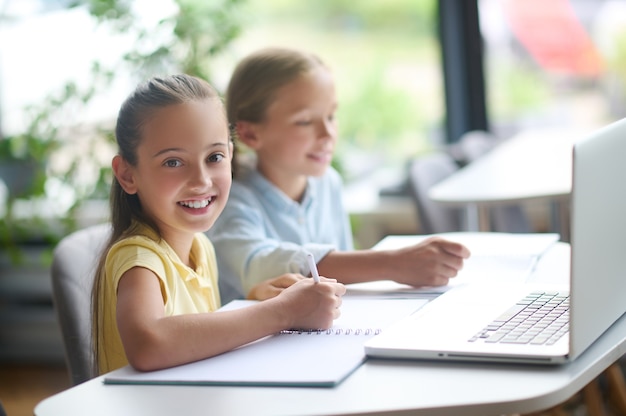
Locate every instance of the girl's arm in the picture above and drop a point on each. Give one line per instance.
(430, 263)
(153, 341)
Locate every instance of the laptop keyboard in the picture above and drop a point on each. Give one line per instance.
(537, 319)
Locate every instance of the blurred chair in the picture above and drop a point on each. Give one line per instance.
(510, 219)
(424, 172)
(472, 145)
(74, 262)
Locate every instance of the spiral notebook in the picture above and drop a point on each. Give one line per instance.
(290, 358)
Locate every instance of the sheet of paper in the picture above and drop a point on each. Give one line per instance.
(495, 258)
(483, 243)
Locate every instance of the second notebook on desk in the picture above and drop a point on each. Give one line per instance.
(290, 358)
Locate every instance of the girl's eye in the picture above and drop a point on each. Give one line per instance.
(303, 122)
(172, 163)
(215, 158)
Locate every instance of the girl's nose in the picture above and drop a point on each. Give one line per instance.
(200, 178)
(327, 129)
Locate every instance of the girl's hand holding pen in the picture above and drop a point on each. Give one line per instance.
(310, 305)
(306, 303)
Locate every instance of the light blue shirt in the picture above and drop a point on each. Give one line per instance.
(262, 233)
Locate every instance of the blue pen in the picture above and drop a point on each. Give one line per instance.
(313, 267)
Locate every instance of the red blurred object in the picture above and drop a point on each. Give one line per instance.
(553, 35)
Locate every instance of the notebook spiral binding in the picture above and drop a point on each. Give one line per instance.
(331, 331)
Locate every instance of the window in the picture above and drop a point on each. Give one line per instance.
(557, 63)
(385, 57)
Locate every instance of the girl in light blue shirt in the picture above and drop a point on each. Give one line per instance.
(286, 200)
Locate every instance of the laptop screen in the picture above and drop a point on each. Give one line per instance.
(598, 234)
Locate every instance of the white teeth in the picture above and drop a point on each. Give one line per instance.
(196, 204)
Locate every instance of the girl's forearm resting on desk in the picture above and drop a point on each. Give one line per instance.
(152, 340)
(430, 263)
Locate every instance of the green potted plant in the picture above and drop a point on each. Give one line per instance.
(23, 173)
(29, 206)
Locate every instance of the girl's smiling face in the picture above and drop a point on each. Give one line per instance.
(297, 137)
(183, 171)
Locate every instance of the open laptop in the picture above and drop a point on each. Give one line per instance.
(463, 323)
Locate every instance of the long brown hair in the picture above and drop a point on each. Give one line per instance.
(126, 210)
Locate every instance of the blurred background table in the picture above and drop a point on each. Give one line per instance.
(533, 165)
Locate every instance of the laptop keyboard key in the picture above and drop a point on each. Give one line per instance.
(537, 319)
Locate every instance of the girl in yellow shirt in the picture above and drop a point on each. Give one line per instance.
(156, 284)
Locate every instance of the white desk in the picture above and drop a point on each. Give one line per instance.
(530, 166)
(378, 387)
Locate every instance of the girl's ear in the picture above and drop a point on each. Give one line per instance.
(246, 133)
(124, 174)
